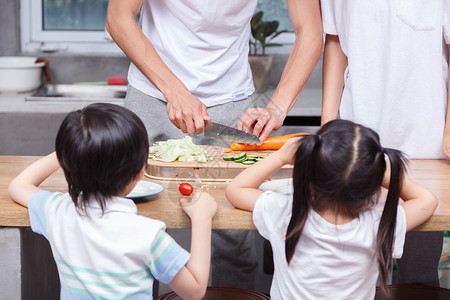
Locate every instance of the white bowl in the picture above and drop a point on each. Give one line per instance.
(282, 186)
(20, 74)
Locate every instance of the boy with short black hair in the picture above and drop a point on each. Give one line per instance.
(102, 248)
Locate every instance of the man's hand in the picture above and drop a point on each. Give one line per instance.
(261, 121)
(186, 112)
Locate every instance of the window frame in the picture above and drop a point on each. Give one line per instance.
(35, 39)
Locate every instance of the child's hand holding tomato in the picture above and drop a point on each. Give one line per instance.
(201, 206)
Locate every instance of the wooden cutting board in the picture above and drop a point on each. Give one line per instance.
(215, 170)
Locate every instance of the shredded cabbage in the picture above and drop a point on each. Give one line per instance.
(178, 149)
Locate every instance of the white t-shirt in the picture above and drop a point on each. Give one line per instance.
(330, 261)
(114, 255)
(396, 79)
(204, 43)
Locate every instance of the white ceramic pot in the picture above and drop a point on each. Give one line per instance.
(20, 74)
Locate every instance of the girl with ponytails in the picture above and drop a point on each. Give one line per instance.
(337, 232)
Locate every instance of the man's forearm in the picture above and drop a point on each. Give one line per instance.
(305, 53)
(301, 62)
(122, 27)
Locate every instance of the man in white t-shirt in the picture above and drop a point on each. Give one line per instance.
(386, 66)
(192, 55)
(190, 64)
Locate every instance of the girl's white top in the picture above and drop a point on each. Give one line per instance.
(330, 261)
(396, 80)
(204, 43)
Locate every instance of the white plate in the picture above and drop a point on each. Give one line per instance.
(282, 186)
(145, 188)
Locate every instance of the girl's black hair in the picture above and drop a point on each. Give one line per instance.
(343, 166)
(101, 149)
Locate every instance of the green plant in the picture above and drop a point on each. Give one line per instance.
(262, 33)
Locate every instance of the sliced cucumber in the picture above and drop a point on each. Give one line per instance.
(239, 156)
(248, 162)
(252, 157)
(229, 157)
(240, 160)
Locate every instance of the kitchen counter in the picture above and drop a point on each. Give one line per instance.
(16, 103)
(163, 206)
(308, 104)
(433, 174)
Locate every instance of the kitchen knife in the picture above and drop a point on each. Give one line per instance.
(221, 132)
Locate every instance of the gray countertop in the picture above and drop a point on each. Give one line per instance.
(16, 103)
(308, 104)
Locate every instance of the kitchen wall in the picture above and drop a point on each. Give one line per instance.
(9, 27)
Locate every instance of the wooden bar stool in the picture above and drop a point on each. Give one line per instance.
(413, 292)
(221, 293)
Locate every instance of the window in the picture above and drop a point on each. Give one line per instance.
(78, 26)
(72, 26)
(276, 10)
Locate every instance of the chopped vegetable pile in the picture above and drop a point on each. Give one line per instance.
(178, 149)
(243, 158)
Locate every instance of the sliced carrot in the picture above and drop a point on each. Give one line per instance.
(228, 150)
(271, 143)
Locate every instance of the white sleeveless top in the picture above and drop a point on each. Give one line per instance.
(204, 43)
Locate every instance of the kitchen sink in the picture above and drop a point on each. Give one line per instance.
(79, 93)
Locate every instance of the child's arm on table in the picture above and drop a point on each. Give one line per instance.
(192, 280)
(25, 185)
(243, 190)
(334, 65)
(419, 202)
(419, 205)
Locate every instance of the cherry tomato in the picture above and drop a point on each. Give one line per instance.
(186, 189)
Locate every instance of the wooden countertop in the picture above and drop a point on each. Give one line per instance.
(434, 174)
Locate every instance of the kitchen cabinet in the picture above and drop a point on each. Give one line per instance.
(30, 127)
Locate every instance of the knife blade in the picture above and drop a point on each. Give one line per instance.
(221, 132)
